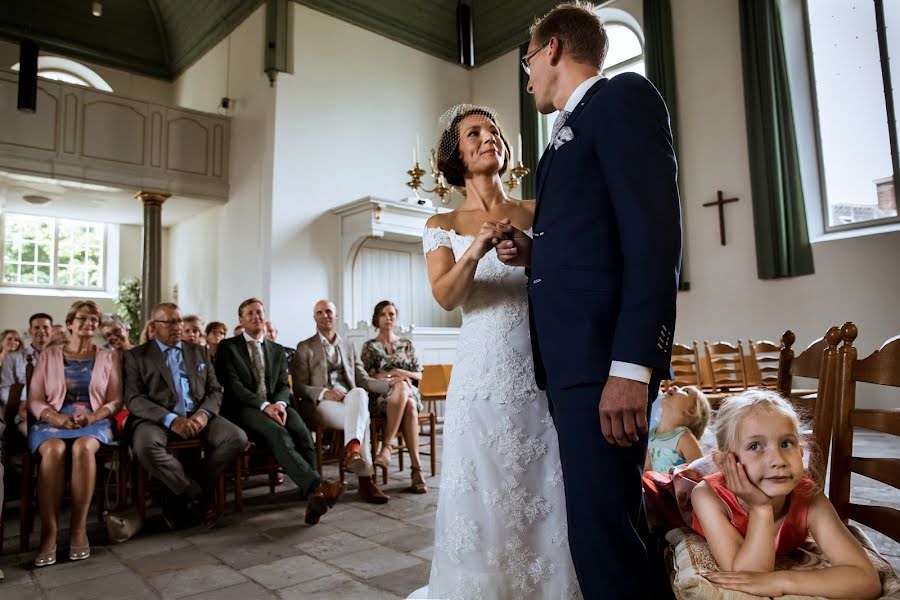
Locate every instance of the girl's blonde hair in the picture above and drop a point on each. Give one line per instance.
(700, 412)
(734, 409)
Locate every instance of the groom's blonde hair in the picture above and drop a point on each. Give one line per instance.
(579, 30)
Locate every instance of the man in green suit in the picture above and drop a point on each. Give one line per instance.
(254, 373)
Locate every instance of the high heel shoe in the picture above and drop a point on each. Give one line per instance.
(45, 559)
(79, 552)
(418, 482)
(383, 459)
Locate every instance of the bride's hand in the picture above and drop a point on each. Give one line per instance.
(515, 247)
(487, 238)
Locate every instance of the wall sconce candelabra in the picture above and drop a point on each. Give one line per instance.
(443, 189)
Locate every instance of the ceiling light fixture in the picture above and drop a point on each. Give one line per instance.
(35, 199)
(97, 9)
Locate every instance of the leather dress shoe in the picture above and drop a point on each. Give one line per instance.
(211, 515)
(321, 499)
(353, 462)
(370, 493)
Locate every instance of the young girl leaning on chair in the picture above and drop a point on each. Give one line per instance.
(761, 503)
(675, 440)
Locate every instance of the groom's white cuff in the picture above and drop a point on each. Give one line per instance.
(629, 371)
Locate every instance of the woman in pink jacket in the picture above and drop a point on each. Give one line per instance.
(76, 389)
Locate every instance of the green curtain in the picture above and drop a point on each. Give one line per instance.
(779, 215)
(659, 60)
(528, 127)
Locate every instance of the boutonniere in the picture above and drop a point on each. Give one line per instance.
(564, 135)
(200, 367)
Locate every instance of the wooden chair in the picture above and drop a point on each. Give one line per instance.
(725, 364)
(253, 461)
(433, 387)
(762, 366)
(333, 439)
(882, 367)
(685, 366)
(174, 447)
(427, 440)
(807, 364)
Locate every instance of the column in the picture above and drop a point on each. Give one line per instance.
(152, 256)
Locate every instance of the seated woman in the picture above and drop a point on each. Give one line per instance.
(193, 330)
(76, 389)
(390, 357)
(10, 342)
(215, 333)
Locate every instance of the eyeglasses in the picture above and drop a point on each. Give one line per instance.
(527, 58)
(93, 320)
(117, 332)
(170, 322)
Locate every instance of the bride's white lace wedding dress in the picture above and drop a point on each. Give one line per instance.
(500, 529)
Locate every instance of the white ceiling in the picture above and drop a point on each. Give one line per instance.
(73, 200)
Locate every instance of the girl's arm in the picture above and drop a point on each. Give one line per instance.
(688, 447)
(850, 576)
(648, 464)
(733, 552)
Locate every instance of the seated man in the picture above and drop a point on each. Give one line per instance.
(172, 393)
(254, 374)
(13, 376)
(333, 387)
(272, 335)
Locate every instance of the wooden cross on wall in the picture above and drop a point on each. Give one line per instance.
(721, 202)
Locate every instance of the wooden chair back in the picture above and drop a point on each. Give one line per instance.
(433, 387)
(762, 364)
(725, 364)
(685, 366)
(882, 367)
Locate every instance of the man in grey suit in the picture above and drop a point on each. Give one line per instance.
(172, 393)
(333, 389)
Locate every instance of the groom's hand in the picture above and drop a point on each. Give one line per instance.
(514, 249)
(623, 411)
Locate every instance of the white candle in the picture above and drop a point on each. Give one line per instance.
(415, 158)
(417, 147)
(512, 160)
(520, 147)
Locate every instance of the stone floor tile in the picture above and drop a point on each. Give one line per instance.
(404, 581)
(242, 591)
(374, 562)
(426, 521)
(124, 585)
(299, 534)
(250, 553)
(332, 546)
(336, 586)
(426, 554)
(21, 591)
(101, 563)
(288, 571)
(178, 584)
(151, 544)
(401, 508)
(406, 538)
(15, 573)
(188, 557)
(223, 536)
(371, 524)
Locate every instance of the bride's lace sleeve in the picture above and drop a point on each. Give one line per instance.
(433, 238)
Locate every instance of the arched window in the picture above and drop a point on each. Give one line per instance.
(68, 71)
(625, 55)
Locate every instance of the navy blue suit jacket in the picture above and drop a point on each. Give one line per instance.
(607, 239)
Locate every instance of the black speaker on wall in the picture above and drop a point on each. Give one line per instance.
(465, 34)
(28, 62)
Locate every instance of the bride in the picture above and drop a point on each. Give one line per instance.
(500, 529)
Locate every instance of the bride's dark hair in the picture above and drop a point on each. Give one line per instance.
(450, 161)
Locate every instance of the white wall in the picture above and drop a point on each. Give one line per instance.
(347, 120)
(496, 84)
(239, 231)
(148, 89)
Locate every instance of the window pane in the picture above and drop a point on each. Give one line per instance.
(623, 45)
(636, 67)
(27, 274)
(43, 274)
(63, 277)
(855, 142)
(10, 273)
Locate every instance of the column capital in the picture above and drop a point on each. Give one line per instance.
(152, 198)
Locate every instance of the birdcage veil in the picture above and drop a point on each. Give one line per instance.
(448, 131)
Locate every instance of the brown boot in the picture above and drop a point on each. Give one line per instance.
(370, 493)
(321, 499)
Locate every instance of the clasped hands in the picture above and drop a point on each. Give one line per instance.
(82, 419)
(512, 244)
(189, 427)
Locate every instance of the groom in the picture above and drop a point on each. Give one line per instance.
(605, 255)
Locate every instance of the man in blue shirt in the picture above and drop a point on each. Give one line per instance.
(172, 393)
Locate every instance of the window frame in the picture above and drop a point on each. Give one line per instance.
(54, 287)
(890, 112)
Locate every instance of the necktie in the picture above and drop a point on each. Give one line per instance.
(557, 125)
(258, 369)
(174, 365)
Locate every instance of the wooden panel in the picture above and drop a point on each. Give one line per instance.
(70, 123)
(187, 145)
(114, 130)
(28, 130)
(156, 139)
(218, 166)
